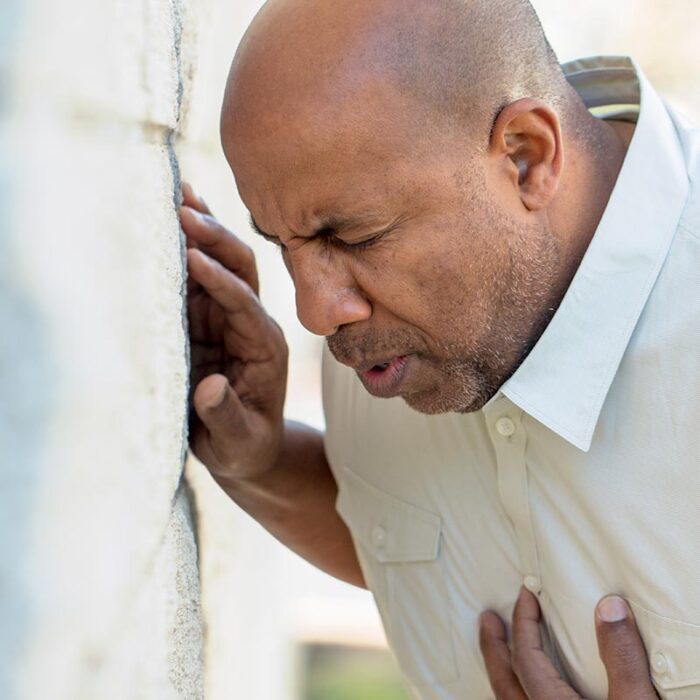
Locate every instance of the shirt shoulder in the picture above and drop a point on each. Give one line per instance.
(661, 369)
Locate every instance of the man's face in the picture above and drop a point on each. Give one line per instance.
(404, 250)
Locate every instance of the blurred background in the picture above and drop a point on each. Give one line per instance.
(104, 593)
(277, 628)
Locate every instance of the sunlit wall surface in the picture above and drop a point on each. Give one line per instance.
(99, 589)
(263, 603)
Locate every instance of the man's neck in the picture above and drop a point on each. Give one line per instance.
(624, 131)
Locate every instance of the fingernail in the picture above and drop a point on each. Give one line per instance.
(612, 609)
(218, 398)
(192, 212)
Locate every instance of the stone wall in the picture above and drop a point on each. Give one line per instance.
(99, 586)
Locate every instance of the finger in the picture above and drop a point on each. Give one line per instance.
(209, 235)
(206, 319)
(538, 676)
(191, 199)
(248, 323)
(526, 623)
(223, 416)
(493, 643)
(622, 651)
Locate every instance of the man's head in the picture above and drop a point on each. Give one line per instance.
(407, 155)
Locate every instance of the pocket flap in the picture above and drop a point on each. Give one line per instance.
(393, 530)
(674, 651)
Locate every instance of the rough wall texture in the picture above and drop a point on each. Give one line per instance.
(99, 589)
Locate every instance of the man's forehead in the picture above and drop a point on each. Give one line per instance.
(372, 114)
(333, 171)
(306, 205)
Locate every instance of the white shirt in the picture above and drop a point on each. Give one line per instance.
(582, 476)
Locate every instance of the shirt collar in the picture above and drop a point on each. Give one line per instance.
(565, 379)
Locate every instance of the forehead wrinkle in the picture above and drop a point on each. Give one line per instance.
(335, 223)
(344, 222)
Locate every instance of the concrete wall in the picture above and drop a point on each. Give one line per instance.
(99, 590)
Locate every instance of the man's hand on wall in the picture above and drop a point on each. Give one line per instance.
(239, 355)
(524, 672)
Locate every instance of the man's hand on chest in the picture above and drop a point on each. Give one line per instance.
(522, 671)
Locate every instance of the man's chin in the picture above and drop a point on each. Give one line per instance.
(437, 401)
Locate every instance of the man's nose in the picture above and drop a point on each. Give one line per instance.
(327, 297)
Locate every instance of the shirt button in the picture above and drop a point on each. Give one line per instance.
(379, 537)
(505, 427)
(659, 664)
(532, 583)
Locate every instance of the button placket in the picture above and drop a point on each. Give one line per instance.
(509, 439)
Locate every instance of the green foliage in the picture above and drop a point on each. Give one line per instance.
(346, 673)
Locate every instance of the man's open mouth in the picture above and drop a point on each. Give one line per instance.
(384, 378)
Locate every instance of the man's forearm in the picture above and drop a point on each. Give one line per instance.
(295, 502)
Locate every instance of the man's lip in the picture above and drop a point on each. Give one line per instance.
(371, 364)
(386, 382)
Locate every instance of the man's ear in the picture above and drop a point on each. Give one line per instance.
(526, 139)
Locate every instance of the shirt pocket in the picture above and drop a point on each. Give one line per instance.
(399, 547)
(673, 648)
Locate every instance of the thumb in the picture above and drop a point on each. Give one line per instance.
(622, 651)
(221, 412)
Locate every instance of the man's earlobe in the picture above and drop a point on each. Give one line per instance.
(526, 137)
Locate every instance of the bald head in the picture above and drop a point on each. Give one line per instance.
(455, 59)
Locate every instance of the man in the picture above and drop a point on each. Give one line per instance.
(519, 277)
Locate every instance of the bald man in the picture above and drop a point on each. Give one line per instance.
(504, 258)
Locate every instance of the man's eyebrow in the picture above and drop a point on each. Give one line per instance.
(327, 227)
